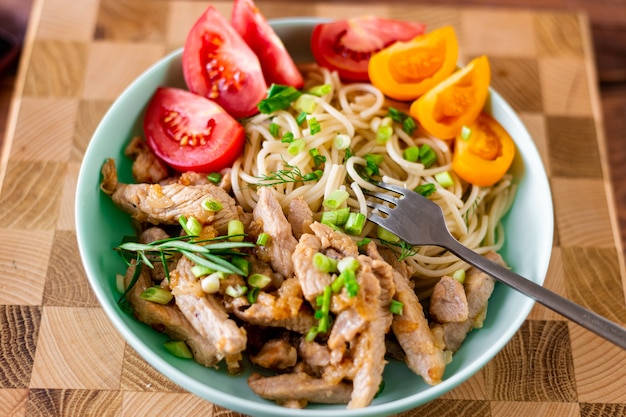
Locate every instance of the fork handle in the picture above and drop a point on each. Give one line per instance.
(575, 312)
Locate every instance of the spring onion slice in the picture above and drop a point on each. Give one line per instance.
(178, 348)
(157, 295)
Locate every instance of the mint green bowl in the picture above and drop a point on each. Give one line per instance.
(100, 226)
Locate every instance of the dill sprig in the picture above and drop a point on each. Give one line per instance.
(216, 254)
(405, 249)
(289, 174)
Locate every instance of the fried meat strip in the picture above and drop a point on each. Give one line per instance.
(164, 204)
(269, 214)
(205, 311)
(424, 353)
(299, 388)
(147, 167)
(478, 288)
(168, 319)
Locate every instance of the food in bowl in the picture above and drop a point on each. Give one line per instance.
(269, 193)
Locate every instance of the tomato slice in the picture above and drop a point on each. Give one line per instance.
(485, 153)
(277, 65)
(406, 70)
(456, 101)
(190, 132)
(218, 64)
(347, 45)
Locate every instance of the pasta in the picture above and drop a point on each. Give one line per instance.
(355, 112)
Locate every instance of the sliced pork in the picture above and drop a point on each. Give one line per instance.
(164, 204)
(448, 303)
(205, 312)
(147, 167)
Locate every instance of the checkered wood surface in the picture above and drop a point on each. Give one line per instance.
(59, 354)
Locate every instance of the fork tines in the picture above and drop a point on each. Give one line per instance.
(383, 197)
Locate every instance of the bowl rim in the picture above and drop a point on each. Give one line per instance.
(258, 408)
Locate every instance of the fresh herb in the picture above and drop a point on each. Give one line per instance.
(317, 158)
(426, 189)
(279, 97)
(289, 174)
(407, 122)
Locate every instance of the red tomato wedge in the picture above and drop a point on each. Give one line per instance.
(346, 45)
(218, 64)
(278, 66)
(190, 132)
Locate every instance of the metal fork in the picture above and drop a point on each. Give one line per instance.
(419, 221)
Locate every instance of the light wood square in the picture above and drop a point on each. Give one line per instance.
(535, 124)
(106, 78)
(88, 117)
(600, 367)
(23, 263)
(565, 87)
(559, 34)
(182, 16)
(68, 19)
(13, 402)
(504, 32)
(56, 69)
(165, 404)
(87, 354)
(44, 129)
(66, 217)
(132, 20)
(583, 222)
(21, 205)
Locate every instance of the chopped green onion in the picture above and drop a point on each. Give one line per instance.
(427, 155)
(373, 162)
(306, 103)
(259, 280)
(191, 225)
(296, 146)
(466, 133)
(157, 295)
(396, 307)
(211, 204)
(201, 270)
(279, 97)
(253, 294)
(409, 125)
(301, 117)
(355, 223)
(342, 141)
(211, 283)
(311, 334)
(178, 348)
(348, 263)
(338, 283)
(324, 322)
(287, 137)
(235, 230)
(336, 199)
(363, 242)
(411, 154)
(274, 129)
(236, 291)
(444, 179)
(324, 263)
(314, 126)
(315, 175)
(214, 177)
(352, 286)
(386, 235)
(242, 264)
(262, 239)
(120, 284)
(317, 158)
(425, 189)
(383, 133)
(336, 217)
(320, 90)
(459, 275)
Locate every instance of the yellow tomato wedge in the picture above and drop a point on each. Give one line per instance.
(483, 153)
(406, 70)
(456, 101)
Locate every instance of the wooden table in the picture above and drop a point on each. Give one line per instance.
(62, 357)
